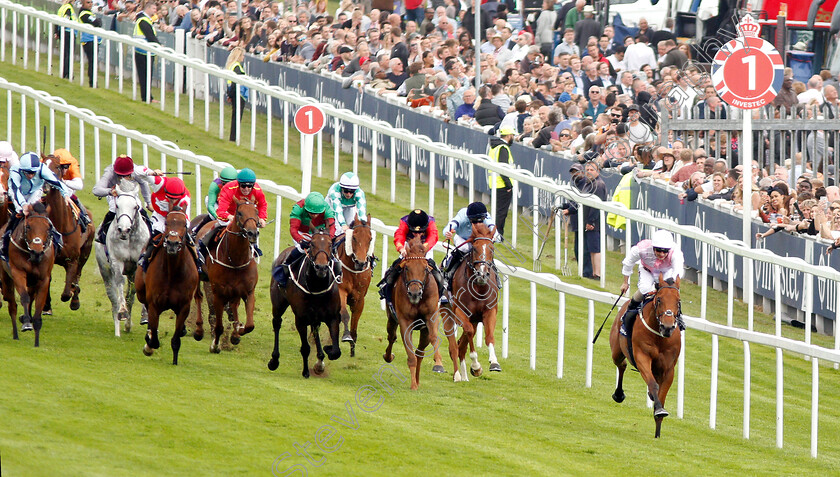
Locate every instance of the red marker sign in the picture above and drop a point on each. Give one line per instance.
(309, 119)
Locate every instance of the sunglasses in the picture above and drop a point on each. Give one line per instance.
(347, 191)
(595, 92)
(565, 135)
(615, 115)
(246, 185)
(661, 250)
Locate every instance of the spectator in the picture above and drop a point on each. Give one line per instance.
(639, 54)
(466, 110)
(488, 113)
(587, 28)
(592, 220)
(673, 56)
(814, 91)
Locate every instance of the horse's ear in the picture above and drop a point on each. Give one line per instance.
(238, 202)
(368, 218)
(677, 281)
(661, 280)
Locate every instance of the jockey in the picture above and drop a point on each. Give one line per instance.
(71, 176)
(26, 182)
(459, 230)
(416, 223)
(245, 187)
(307, 215)
(228, 174)
(123, 168)
(347, 199)
(8, 156)
(655, 256)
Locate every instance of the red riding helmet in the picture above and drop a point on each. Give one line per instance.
(174, 188)
(123, 166)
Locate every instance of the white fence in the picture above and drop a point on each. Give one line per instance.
(158, 151)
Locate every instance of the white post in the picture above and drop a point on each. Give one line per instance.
(393, 142)
(107, 68)
(253, 120)
(374, 156)
(355, 148)
(505, 315)
(37, 44)
(268, 119)
(561, 332)
(746, 159)
(336, 148)
(815, 403)
(320, 155)
(286, 134)
(747, 365)
(533, 347)
(590, 332)
(162, 84)
(278, 218)
(207, 102)
(23, 119)
(681, 378)
(432, 184)
(451, 185)
(97, 158)
(222, 112)
(704, 286)
(306, 146)
(714, 383)
(412, 172)
(730, 286)
(82, 146)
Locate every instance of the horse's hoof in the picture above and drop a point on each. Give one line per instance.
(495, 367)
(456, 377)
(215, 349)
(476, 372)
(305, 374)
(438, 369)
(66, 297)
(147, 351)
(273, 364)
(660, 413)
(198, 335)
(234, 339)
(26, 327)
(122, 316)
(128, 326)
(75, 304)
(144, 321)
(183, 332)
(388, 358)
(347, 337)
(318, 368)
(46, 312)
(619, 398)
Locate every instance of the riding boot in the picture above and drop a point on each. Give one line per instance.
(14, 220)
(148, 221)
(281, 274)
(84, 220)
(630, 318)
(147, 254)
(103, 228)
(200, 264)
(438, 276)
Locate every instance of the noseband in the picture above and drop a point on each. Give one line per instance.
(656, 304)
(37, 240)
(422, 282)
(172, 233)
(483, 258)
(132, 217)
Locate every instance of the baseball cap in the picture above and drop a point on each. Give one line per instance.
(345, 49)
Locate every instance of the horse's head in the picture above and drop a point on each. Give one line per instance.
(359, 242)
(175, 230)
(127, 205)
(320, 253)
(666, 305)
(415, 270)
(246, 220)
(481, 256)
(37, 233)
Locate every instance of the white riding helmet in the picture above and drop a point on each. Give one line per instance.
(7, 153)
(662, 239)
(349, 180)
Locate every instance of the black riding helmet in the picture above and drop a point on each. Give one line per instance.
(418, 221)
(476, 211)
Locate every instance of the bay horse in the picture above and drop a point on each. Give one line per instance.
(31, 260)
(313, 294)
(77, 244)
(359, 241)
(170, 283)
(655, 345)
(125, 241)
(475, 294)
(415, 297)
(232, 262)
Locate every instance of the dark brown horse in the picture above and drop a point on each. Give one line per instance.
(232, 269)
(655, 346)
(170, 283)
(77, 244)
(356, 258)
(415, 298)
(312, 292)
(475, 293)
(31, 259)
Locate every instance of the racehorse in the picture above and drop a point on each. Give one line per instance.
(359, 243)
(475, 293)
(125, 240)
(655, 345)
(232, 269)
(415, 297)
(170, 283)
(31, 259)
(313, 294)
(77, 244)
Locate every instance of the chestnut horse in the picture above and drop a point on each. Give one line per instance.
(475, 293)
(313, 294)
(655, 346)
(31, 259)
(356, 257)
(415, 298)
(77, 244)
(232, 268)
(170, 283)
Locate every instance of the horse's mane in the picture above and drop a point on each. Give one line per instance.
(39, 208)
(177, 208)
(670, 281)
(415, 246)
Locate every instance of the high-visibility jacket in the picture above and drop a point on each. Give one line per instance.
(243, 90)
(88, 17)
(66, 11)
(622, 194)
(497, 145)
(138, 33)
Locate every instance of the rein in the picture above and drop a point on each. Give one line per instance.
(351, 254)
(36, 240)
(423, 282)
(309, 259)
(241, 233)
(665, 313)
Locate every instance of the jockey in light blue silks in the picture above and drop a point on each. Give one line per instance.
(459, 231)
(26, 182)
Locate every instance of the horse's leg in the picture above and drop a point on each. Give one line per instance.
(250, 302)
(319, 351)
(180, 327)
(490, 338)
(199, 299)
(152, 342)
(9, 295)
(411, 357)
(357, 308)
(391, 327)
(304, 346)
(278, 307)
(115, 289)
(218, 307)
(333, 349)
(345, 317)
(664, 385)
(84, 254)
(70, 268)
(422, 343)
(643, 364)
(198, 333)
(233, 315)
(40, 299)
(19, 278)
(450, 329)
(621, 363)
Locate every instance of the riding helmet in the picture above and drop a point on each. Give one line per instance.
(349, 181)
(662, 239)
(418, 221)
(30, 162)
(247, 176)
(64, 156)
(174, 188)
(7, 153)
(228, 174)
(123, 166)
(476, 210)
(315, 203)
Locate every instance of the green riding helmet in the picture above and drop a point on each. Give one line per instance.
(315, 203)
(228, 174)
(247, 176)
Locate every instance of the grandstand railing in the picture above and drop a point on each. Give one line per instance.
(157, 151)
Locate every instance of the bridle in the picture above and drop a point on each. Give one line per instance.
(350, 251)
(310, 258)
(241, 233)
(179, 244)
(131, 217)
(657, 302)
(37, 240)
(482, 258)
(426, 272)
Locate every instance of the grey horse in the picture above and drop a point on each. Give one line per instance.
(125, 241)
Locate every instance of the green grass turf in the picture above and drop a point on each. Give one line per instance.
(87, 403)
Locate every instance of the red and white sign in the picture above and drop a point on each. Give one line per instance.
(310, 119)
(748, 72)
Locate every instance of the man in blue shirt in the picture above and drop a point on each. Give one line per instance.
(468, 108)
